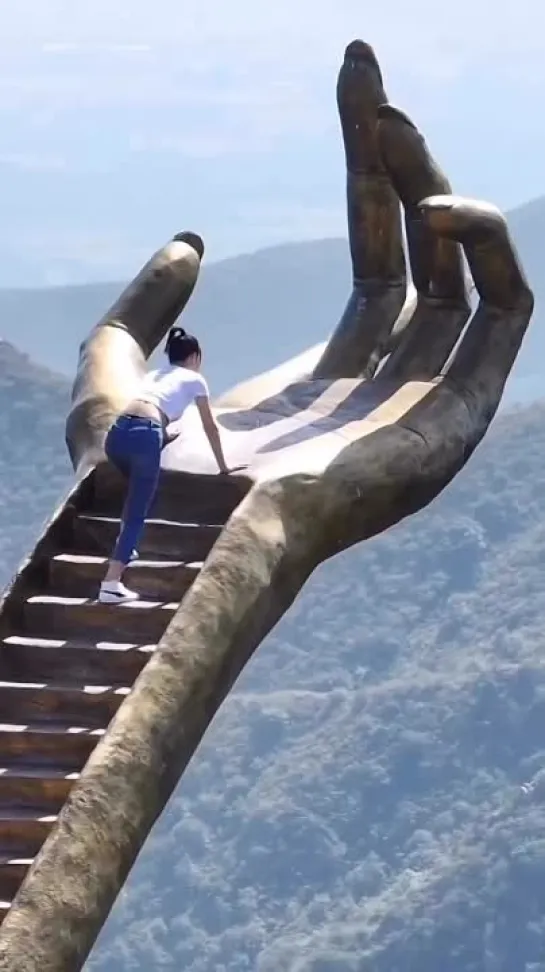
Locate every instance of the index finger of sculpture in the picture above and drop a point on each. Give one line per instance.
(442, 307)
(489, 348)
(113, 357)
(374, 226)
(148, 307)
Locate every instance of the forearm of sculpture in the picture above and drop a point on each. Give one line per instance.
(250, 579)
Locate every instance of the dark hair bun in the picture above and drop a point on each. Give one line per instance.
(180, 345)
(176, 333)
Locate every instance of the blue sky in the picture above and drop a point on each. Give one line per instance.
(124, 122)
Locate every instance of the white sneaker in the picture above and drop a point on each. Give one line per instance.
(114, 592)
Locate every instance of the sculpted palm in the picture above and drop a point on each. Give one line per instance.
(340, 445)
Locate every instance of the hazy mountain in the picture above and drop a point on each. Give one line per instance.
(34, 466)
(250, 312)
(253, 311)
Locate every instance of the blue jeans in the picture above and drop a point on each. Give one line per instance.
(134, 445)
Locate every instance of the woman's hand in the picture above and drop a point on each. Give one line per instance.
(233, 469)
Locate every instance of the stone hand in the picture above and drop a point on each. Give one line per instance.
(371, 429)
(352, 437)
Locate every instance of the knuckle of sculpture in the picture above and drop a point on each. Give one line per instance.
(526, 300)
(289, 515)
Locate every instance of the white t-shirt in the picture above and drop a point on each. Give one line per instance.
(172, 388)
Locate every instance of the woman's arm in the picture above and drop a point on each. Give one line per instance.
(211, 430)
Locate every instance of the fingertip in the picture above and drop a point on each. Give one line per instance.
(359, 50)
(193, 240)
(460, 218)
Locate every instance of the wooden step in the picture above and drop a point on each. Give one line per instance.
(80, 576)
(22, 833)
(201, 498)
(35, 787)
(40, 705)
(161, 539)
(66, 617)
(117, 664)
(66, 748)
(12, 874)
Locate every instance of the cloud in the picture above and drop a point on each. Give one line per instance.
(295, 221)
(55, 47)
(33, 163)
(194, 145)
(237, 101)
(274, 33)
(226, 79)
(77, 255)
(242, 47)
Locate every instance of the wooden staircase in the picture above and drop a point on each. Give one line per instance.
(66, 661)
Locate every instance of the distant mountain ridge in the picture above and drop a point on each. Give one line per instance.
(34, 465)
(255, 310)
(250, 312)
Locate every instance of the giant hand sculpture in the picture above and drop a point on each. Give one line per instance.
(379, 420)
(340, 445)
